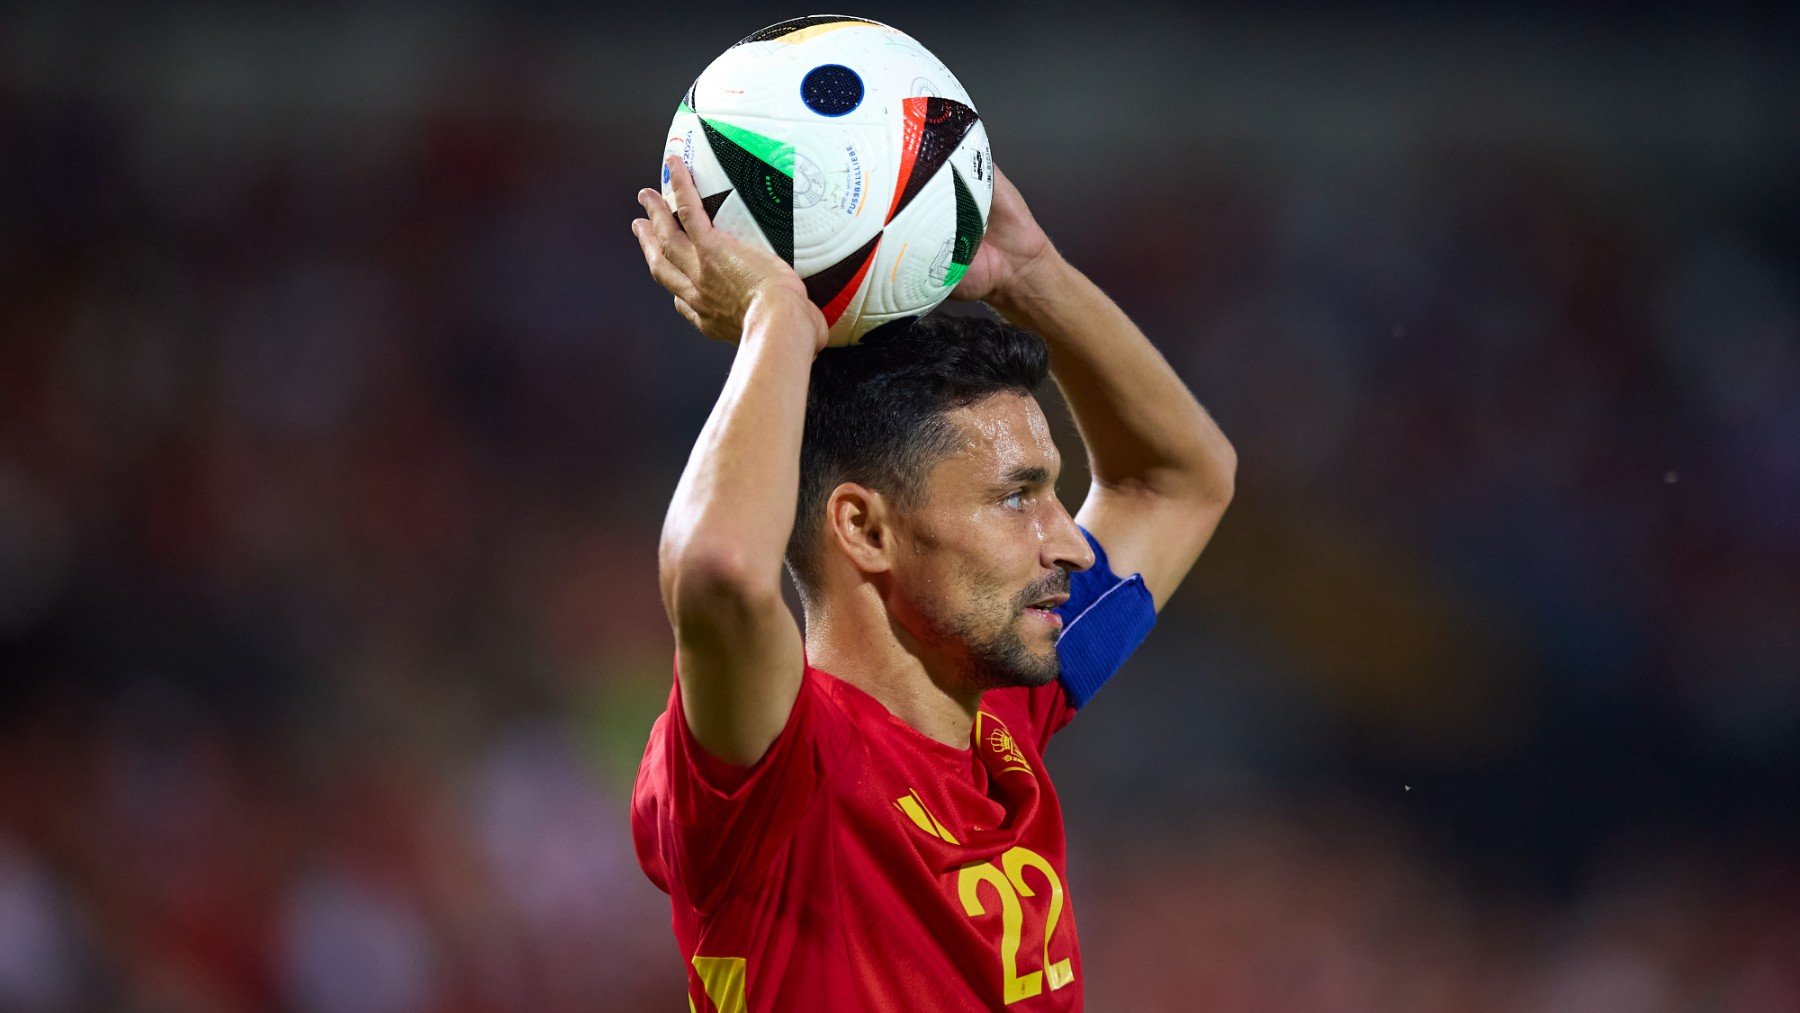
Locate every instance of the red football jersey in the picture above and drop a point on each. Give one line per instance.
(862, 866)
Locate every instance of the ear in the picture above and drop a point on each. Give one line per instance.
(859, 521)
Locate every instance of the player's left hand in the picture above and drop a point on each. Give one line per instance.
(1014, 246)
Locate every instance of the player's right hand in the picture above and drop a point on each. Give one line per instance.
(713, 277)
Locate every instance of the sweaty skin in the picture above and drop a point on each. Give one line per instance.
(979, 543)
(944, 609)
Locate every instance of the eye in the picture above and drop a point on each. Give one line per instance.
(1015, 500)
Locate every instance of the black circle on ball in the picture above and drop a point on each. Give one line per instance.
(831, 90)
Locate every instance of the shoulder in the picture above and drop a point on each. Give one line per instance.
(817, 725)
(701, 824)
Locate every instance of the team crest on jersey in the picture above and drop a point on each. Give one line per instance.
(1004, 746)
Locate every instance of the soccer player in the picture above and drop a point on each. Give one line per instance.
(858, 817)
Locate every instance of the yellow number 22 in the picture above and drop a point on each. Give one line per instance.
(1009, 885)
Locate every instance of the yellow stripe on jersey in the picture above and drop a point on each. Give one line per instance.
(723, 980)
(914, 807)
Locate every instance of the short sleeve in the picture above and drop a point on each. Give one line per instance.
(1104, 621)
(702, 825)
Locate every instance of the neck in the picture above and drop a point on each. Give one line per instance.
(853, 637)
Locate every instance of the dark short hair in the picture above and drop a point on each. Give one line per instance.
(875, 413)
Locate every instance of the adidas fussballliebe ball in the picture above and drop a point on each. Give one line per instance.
(848, 149)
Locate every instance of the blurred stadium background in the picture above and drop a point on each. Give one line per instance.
(337, 416)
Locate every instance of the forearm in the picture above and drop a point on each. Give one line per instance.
(1144, 431)
(734, 506)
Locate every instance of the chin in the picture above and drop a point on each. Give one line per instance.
(1019, 654)
(1035, 661)
(1025, 667)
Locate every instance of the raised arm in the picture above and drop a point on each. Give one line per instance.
(737, 645)
(1162, 471)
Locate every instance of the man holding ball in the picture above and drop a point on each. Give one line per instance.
(853, 813)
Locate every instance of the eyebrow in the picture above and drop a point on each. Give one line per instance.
(1028, 475)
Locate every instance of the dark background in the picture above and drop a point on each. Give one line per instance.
(338, 413)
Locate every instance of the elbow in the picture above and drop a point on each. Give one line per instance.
(1207, 477)
(1221, 470)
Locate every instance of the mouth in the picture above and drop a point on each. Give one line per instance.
(1045, 608)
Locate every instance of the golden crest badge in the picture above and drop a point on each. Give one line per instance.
(1002, 743)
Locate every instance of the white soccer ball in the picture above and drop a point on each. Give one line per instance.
(853, 153)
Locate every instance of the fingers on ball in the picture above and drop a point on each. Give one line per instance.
(687, 195)
(663, 221)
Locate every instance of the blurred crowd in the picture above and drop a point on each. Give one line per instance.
(333, 444)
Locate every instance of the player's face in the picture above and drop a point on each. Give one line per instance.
(989, 554)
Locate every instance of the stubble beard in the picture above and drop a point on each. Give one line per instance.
(996, 655)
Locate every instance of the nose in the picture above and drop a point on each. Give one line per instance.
(1065, 547)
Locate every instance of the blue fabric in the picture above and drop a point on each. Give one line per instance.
(1104, 620)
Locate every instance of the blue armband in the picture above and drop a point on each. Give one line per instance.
(1104, 620)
